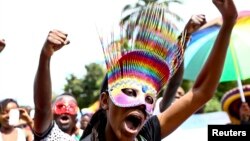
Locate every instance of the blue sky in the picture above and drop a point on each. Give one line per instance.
(25, 25)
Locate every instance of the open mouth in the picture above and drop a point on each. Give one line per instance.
(64, 119)
(133, 122)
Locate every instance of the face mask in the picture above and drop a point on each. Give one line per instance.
(63, 107)
(132, 94)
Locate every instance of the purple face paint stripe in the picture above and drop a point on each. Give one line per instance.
(123, 100)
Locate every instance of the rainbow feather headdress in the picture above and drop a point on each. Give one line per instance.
(149, 57)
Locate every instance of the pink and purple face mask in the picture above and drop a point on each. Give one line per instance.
(65, 107)
(132, 93)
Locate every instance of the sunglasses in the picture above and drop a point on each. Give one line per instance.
(63, 107)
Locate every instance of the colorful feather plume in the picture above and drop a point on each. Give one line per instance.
(150, 55)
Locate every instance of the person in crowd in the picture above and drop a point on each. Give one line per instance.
(64, 111)
(26, 126)
(58, 117)
(237, 109)
(179, 93)
(85, 118)
(2, 44)
(245, 113)
(128, 102)
(11, 132)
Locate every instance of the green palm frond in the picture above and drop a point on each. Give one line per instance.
(131, 11)
(140, 5)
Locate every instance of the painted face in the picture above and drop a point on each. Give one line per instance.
(131, 93)
(65, 107)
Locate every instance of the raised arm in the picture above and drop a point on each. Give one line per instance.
(42, 84)
(208, 79)
(194, 23)
(2, 44)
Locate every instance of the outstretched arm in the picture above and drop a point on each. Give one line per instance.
(2, 44)
(208, 79)
(194, 23)
(42, 85)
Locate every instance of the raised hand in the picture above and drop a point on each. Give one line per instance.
(43, 117)
(2, 44)
(25, 117)
(56, 40)
(194, 23)
(207, 80)
(227, 9)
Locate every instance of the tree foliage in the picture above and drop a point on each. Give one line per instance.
(86, 89)
(131, 14)
(131, 9)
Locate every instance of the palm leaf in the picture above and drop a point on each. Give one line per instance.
(138, 7)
